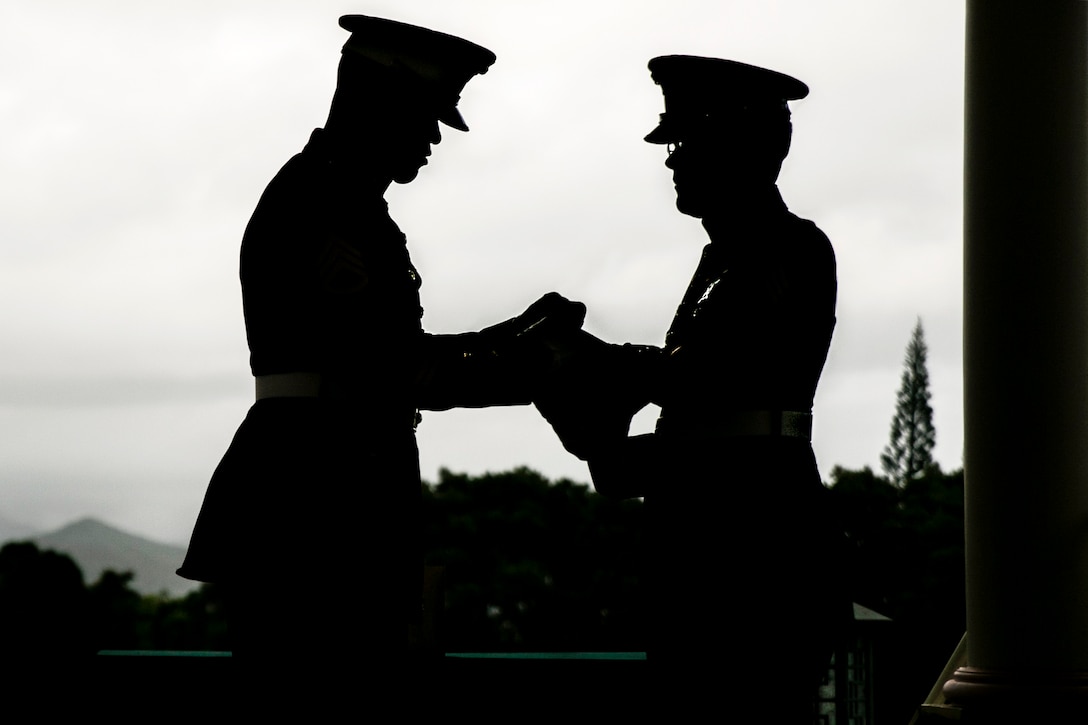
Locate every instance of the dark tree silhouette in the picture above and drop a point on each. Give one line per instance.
(534, 565)
(909, 452)
(908, 564)
(43, 604)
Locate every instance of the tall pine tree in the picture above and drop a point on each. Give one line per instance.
(910, 449)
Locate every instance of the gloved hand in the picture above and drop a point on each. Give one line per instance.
(595, 390)
(549, 314)
(537, 340)
(500, 365)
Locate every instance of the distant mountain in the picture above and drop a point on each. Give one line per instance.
(96, 547)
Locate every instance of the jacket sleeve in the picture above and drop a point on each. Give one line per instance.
(504, 364)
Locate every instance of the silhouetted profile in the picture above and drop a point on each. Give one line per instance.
(310, 518)
(742, 578)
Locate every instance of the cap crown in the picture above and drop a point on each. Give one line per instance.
(439, 65)
(697, 88)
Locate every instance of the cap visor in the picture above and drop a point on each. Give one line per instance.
(453, 119)
(659, 135)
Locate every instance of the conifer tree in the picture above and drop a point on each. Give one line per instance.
(910, 449)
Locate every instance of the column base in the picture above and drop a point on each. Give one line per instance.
(1009, 696)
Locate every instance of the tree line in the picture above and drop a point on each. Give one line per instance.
(48, 610)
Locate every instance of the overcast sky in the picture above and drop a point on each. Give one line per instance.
(138, 136)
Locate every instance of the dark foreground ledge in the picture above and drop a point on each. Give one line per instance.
(136, 686)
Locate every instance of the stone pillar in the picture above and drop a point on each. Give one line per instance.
(1026, 358)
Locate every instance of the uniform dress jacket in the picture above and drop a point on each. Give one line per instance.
(327, 486)
(739, 536)
(754, 325)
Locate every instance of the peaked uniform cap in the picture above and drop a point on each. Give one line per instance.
(698, 88)
(438, 64)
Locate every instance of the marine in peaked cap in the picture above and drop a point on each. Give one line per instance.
(737, 118)
(321, 481)
(743, 357)
(738, 538)
(395, 84)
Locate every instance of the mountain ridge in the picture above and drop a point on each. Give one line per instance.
(96, 546)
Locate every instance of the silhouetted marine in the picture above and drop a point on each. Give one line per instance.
(310, 516)
(742, 571)
(752, 331)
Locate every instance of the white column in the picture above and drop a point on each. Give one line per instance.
(1026, 347)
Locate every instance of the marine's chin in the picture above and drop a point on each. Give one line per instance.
(692, 206)
(406, 175)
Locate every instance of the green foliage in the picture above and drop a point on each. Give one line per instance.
(43, 604)
(909, 453)
(127, 620)
(534, 565)
(198, 621)
(869, 509)
(46, 610)
(907, 546)
(907, 543)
